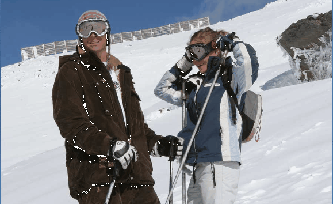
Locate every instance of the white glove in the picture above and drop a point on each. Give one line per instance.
(124, 153)
(184, 64)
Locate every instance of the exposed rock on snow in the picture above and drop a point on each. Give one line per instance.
(307, 34)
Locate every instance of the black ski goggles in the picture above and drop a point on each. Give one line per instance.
(85, 28)
(198, 51)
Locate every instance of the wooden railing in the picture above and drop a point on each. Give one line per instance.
(58, 47)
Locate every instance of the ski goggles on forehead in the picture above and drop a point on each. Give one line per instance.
(85, 28)
(198, 51)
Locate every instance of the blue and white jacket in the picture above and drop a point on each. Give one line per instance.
(218, 137)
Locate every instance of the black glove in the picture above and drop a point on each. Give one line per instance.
(226, 42)
(170, 146)
(189, 86)
(123, 152)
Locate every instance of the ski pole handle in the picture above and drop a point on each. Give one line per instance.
(172, 150)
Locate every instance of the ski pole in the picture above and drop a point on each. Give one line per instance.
(171, 159)
(193, 135)
(115, 174)
(110, 191)
(170, 182)
(183, 126)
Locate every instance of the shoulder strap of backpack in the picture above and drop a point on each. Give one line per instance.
(226, 80)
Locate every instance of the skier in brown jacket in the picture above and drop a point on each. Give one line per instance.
(98, 113)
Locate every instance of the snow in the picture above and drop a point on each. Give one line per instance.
(291, 163)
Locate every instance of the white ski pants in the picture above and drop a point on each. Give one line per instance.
(203, 190)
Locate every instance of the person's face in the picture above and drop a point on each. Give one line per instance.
(202, 64)
(95, 43)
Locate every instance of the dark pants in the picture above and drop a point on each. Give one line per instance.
(121, 195)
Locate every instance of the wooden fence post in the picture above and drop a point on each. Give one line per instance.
(34, 50)
(22, 54)
(65, 46)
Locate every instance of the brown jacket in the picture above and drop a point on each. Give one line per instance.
(88, 114)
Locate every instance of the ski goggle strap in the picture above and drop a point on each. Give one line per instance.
(198, 51)
(85, 28)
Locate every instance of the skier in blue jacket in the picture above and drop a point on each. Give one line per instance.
(216, 151)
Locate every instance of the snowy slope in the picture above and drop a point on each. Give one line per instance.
(292, 163)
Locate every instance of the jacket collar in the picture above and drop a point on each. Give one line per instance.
(89, 59)
(212, 67)
(213, 64)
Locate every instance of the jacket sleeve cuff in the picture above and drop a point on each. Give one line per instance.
(154, 151)
(106, 145)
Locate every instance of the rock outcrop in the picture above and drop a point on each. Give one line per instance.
(303, 35)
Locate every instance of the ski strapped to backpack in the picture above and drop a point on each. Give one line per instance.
(250, 107)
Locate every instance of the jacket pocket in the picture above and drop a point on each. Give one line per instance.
(104, 97)
(78, 178)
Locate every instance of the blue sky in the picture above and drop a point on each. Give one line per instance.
(26, 23)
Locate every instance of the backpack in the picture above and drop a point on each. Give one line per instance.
(250, 107)
(251, 115)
